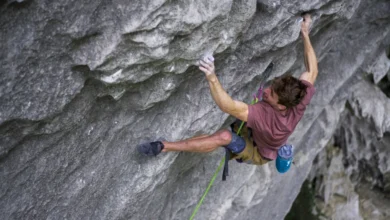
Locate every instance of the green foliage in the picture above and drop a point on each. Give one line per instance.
(303, 204)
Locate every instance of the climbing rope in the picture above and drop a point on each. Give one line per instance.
(255, 100)
(208, 188)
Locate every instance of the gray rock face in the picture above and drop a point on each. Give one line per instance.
(352, 175)
(83, 82)
(353, 179)
(335, 193)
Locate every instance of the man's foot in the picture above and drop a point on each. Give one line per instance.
(151, 148)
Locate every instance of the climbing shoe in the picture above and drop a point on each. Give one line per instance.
(151, 148)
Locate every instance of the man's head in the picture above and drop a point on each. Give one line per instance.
(285, 92)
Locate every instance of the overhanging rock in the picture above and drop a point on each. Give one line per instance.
(83, 82)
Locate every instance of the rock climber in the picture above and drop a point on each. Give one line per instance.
(271, 120)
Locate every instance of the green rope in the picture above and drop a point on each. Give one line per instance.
(208, 188)
(216, 172)
(254, 101)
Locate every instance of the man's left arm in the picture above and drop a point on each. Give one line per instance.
(309, 55)
(235, 108)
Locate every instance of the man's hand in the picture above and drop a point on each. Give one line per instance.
(207, 66)
(305, 25)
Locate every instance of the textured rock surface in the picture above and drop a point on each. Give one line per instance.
(338, 200)
(352, 179)
(82, 82)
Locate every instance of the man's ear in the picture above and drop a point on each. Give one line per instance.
(281, 107)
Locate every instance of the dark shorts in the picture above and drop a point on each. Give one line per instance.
(243, 150)
(237, 144)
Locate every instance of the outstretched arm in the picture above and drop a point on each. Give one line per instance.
(310, 57)
(224, 101)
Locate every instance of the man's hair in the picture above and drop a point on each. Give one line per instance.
(290, 90)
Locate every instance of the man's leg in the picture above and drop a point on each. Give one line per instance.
(197, 137)
(204, 143)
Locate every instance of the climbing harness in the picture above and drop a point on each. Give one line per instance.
(225, 171)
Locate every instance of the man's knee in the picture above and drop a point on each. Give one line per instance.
(225, 136)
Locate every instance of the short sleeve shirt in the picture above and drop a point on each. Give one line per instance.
(271, 128)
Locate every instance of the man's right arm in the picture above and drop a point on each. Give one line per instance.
(309, 56)
(235, 108)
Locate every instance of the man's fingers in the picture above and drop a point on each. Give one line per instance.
(204, 70)
(209, 60)
(204, 64)
(307, 18)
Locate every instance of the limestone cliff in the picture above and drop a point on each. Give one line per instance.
(351, 177)
(83, 82)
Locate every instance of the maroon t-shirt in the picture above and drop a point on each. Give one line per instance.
(270, 128)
